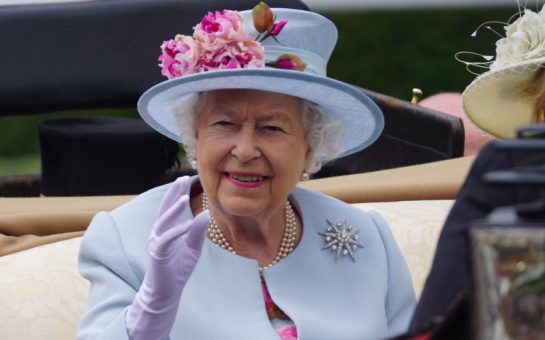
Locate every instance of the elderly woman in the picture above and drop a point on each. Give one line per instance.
(238, 252)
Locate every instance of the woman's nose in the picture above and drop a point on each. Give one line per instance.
(246, 148)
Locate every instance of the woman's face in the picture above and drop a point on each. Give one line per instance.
(251, 150)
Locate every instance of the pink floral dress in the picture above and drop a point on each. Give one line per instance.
(280, 321)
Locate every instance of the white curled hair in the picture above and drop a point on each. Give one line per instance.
(323, 132)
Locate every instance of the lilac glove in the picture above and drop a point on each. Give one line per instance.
(173, 248)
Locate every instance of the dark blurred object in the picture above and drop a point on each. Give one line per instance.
(412, 135)
(453, 325)
(85, 55)
(96, 54)
(89, 156)
(508, 248)
(20, 185)
(509, 275)
(506, 173)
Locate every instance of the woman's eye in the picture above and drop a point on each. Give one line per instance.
(273, 128)
(223, 123)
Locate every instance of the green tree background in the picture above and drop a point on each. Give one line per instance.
(385, 51)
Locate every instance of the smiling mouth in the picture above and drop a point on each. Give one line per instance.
(247, 179)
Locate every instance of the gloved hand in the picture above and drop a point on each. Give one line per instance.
(173, 248)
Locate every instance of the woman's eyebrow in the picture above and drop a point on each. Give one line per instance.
(275, 114)
(267, 114)
(222, 109)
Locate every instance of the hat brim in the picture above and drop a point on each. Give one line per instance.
(362, 120)
(495, 101)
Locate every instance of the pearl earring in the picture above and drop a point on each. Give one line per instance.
(305, 176)
(193, 163)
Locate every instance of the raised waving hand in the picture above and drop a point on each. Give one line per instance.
(174, 247)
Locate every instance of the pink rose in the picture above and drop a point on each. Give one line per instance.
(288, 333)
(277, 28)
(290, 62)
(225, 25)
(180, 56)
(241, 54)
(285, 64)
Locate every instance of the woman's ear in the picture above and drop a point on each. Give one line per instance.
(309, 156)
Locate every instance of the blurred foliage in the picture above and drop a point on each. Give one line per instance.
(20, 164)
(394, 51)
(385, 51)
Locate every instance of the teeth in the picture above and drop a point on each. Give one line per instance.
(247, 178)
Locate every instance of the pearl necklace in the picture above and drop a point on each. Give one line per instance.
(288, 240)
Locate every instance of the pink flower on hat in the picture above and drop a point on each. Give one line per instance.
(225, 25)
(277, 28)
(288, 333)
(264, 22)
(221, 41)
(180, 56)
(241, 54)
(289, 62)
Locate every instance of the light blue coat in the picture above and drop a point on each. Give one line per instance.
(371, 298)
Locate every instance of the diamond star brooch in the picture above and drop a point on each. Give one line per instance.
(341, 239)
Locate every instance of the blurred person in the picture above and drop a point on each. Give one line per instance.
(451, 103)
(511, 93)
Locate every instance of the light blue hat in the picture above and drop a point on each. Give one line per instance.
(312, 38)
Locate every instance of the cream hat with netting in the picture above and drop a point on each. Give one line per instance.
(496, 101)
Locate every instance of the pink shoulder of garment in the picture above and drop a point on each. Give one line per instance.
(451, 103)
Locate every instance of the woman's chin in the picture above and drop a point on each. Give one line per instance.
(243, 207)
